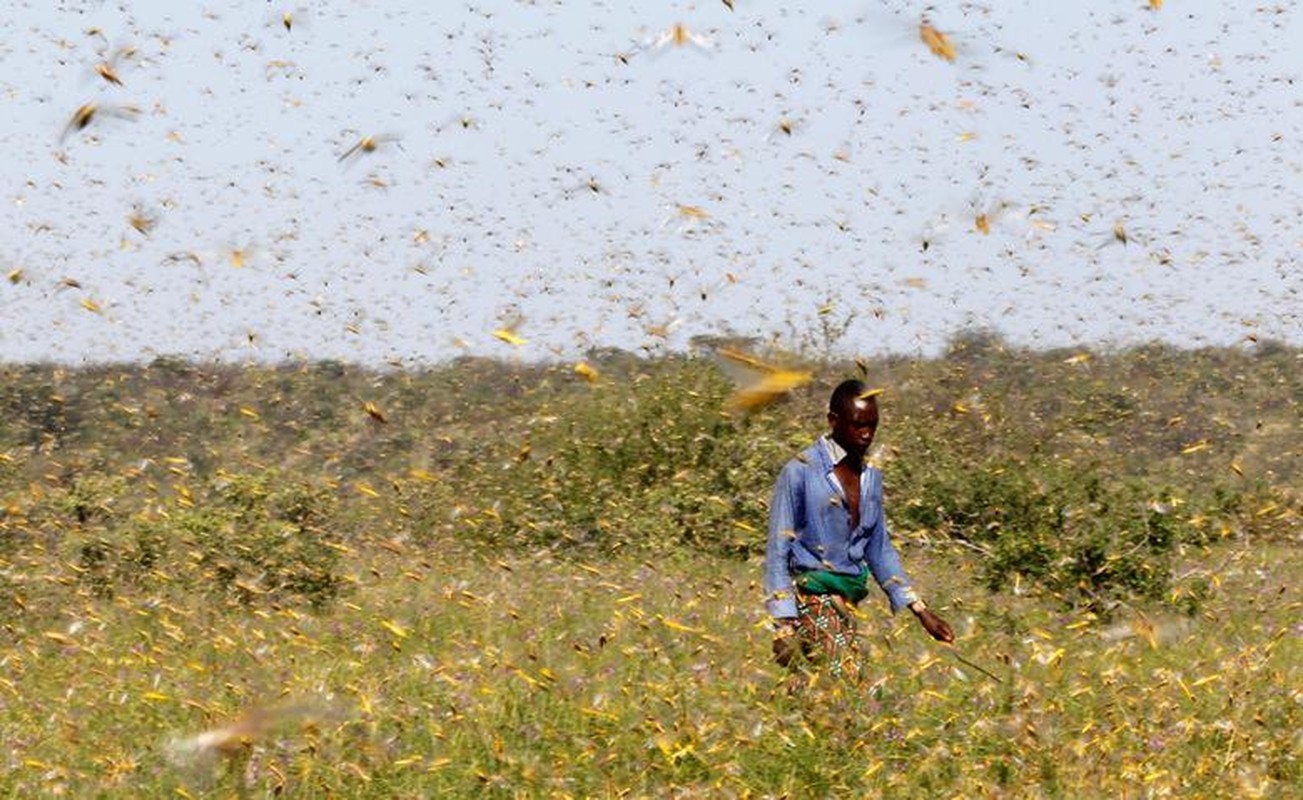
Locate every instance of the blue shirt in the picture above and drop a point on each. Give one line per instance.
(810, 529)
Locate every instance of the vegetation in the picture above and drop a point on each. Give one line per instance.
(493, 578)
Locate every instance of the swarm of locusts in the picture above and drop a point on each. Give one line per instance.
(540, 575)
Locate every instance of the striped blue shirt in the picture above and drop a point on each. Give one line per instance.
(810, 529)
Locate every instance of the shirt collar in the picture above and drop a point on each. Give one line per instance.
(834, 451)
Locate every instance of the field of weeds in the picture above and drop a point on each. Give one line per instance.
(513, 581)
(452, 674)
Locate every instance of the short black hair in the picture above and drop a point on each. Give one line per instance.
(847, 392)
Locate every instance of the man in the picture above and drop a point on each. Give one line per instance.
(827, 534)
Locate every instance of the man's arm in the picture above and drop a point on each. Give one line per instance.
(883, 560)
(784, 517)
(884, 563)
(934, 625)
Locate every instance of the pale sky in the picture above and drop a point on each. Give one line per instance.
(534, 162)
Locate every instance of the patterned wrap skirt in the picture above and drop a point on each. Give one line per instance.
(827, 633)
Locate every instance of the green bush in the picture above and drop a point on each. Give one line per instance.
(655, 466)
(1079, 537)
(268, 536)
(1052, 468)
(255, 538)
(89, 498)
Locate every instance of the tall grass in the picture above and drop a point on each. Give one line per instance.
(495, 579)
(458, 673)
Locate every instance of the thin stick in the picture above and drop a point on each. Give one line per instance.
(846, 614)
(980, 669)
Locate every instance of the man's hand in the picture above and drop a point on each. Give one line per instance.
(934, 625)
(787, 645)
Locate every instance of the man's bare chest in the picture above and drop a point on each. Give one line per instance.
(849, 479)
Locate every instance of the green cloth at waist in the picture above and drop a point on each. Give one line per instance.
(853, 587)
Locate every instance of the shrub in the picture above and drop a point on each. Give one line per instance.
(654, 465)
(255, 538)
(267, 536)
(1083, 539)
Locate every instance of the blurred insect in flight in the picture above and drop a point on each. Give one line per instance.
(587, 372)
(290, 20)
(624, 56)
(759, 383)
(785, 127)
(504, 335)
(689, 218)
(373, 411)
(678, 35)
(142, 221)
(233, 737)
(464, 121)
(240, 256)
(87, 114)
(936, 41)
(108, 68)
(1119, 234)
(369, 144)
(984, 215)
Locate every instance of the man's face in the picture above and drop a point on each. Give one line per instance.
(854, 427)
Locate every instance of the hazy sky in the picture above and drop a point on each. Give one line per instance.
(547, 167)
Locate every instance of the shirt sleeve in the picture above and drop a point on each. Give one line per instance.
(884, 561)
(784, 509)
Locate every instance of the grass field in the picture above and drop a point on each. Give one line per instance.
(452, 674)
(513, 581)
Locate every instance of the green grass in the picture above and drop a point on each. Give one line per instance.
(513, 583)
(452, 673)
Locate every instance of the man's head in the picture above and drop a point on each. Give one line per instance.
(853, 417)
